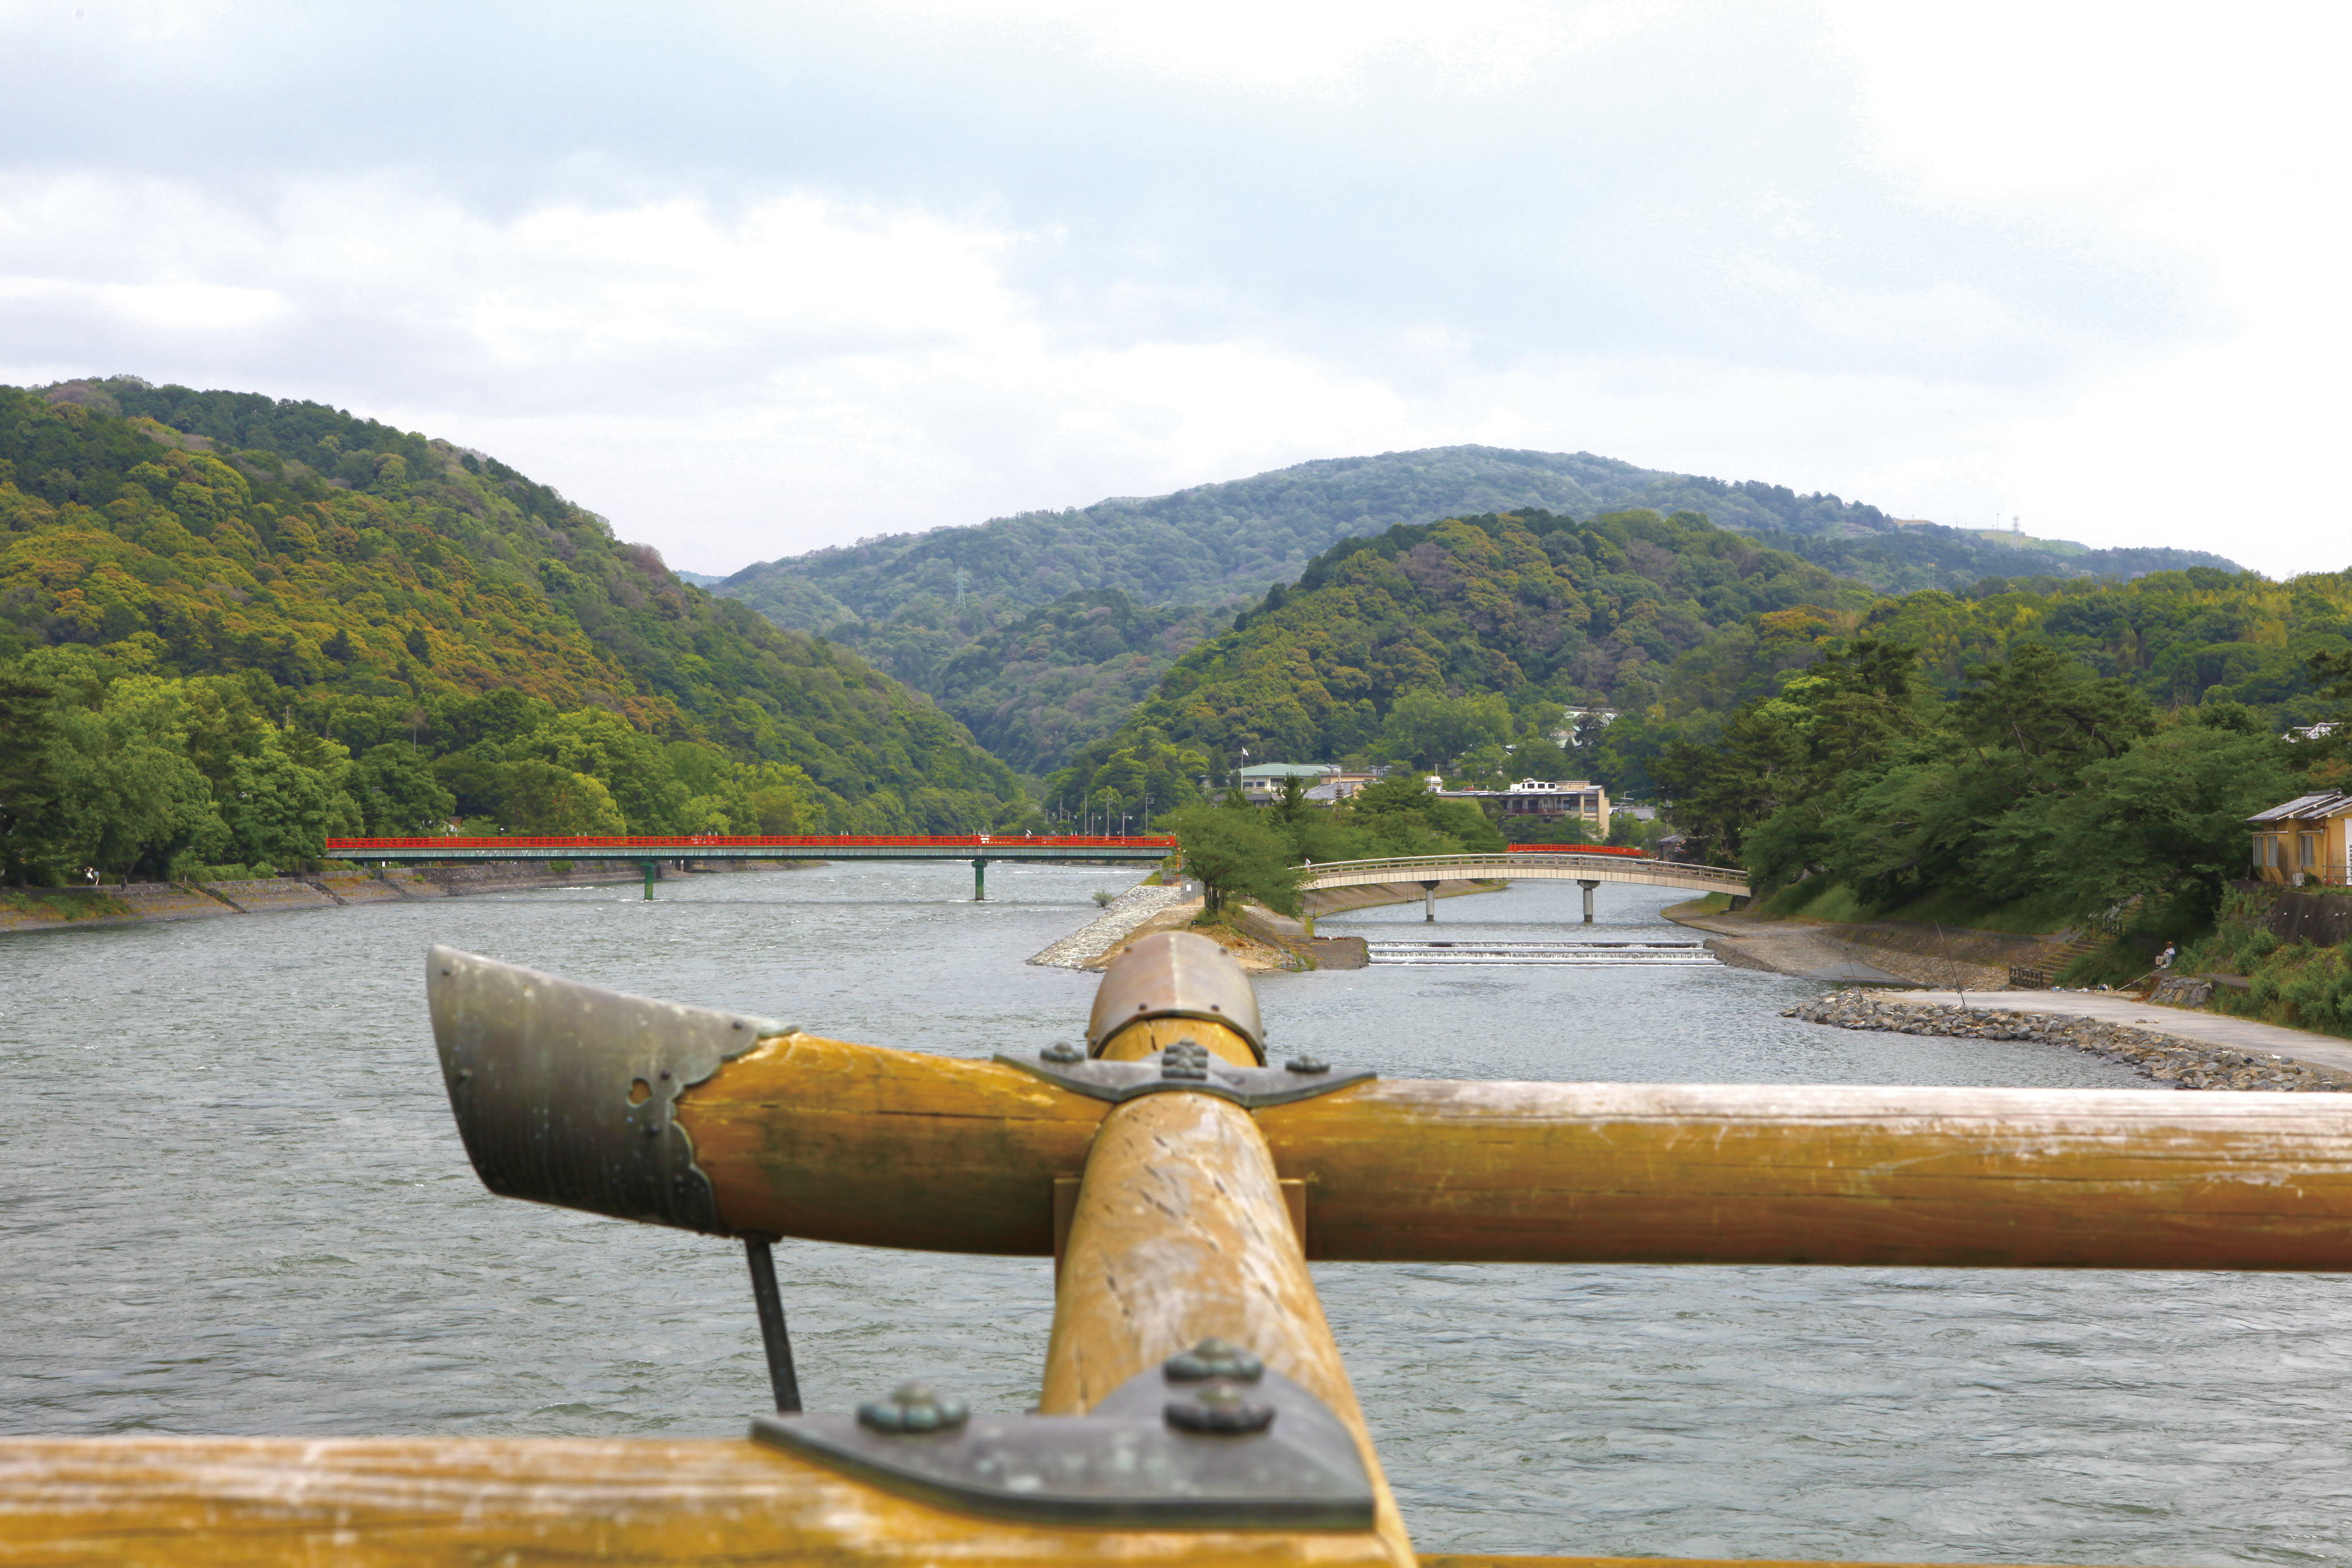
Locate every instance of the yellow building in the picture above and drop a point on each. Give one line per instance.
(2304, 841)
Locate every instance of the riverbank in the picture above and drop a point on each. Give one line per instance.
(1886, 954)
(143, 904)
(2110, 1027)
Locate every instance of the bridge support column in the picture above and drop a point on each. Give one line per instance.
(652, 870)
(980, 881)
(1588, 887)
(1429, 902)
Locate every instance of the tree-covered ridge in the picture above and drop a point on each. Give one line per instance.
(365, 591)
(1212, 541)
(2174, 640)
(1066, 673)
(1929, 555)
(1386, 646)
(914, 603)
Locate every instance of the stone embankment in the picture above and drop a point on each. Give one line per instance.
(2167, 1059)
(1085, 947)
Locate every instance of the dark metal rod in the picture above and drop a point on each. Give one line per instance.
(772, 1325)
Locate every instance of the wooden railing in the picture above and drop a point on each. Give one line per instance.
(1181, 1206)
(1520, 859)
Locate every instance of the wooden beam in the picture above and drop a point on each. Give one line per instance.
(1399, 1170)
(411, 1502)
(377, 1502)
(819, 1139)
(832, 1141)
(1180, 1233)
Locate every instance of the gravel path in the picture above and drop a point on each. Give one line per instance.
(1123, 914)
(2184, 1064)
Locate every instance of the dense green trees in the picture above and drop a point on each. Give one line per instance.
(2041, 782)
(1033, 630)
(197, 570)
(1239, 850)
(1236, 854)
(397, 794)
(1439, 643)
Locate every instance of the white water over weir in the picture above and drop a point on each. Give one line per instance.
(1582, 955)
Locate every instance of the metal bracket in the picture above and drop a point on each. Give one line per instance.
(567, 1093)
(1251, 1088)
(1125, 1465)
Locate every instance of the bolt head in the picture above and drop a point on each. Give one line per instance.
(1220, 1410)
(1063, 1053)
(1213, 1358)
(913, 1408)
(1310, 1063)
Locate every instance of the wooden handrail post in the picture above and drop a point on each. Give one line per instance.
(1180, 1234)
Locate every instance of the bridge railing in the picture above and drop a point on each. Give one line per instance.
(591, 847)
(1471, 866)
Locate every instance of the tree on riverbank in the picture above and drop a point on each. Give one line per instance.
(2040, 781)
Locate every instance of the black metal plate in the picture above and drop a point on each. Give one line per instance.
(1251, 1087)
(1121, 1465)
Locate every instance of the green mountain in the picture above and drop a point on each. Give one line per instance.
(1206, 544)
(1445, 643)
(1448, 642)
(289, 576)
(916, 604)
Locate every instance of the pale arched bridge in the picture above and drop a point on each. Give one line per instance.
(1587, 868)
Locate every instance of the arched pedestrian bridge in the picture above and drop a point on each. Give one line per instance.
(1587, 868)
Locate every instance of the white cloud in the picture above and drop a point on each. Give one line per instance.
(802, 274)
(2217, 136)
(1319, 46)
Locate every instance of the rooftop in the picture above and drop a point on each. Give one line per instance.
(2327, 803)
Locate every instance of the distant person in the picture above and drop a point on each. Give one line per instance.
(2163, 959)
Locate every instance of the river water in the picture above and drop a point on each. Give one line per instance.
(232, 1200)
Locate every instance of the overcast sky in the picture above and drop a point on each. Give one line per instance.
(753, 279)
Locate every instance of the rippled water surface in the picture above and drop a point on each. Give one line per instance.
(232, 1200)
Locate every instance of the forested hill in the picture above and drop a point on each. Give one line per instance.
(1443, 643)
(292, 579)
(1446, 643)
(1206, 544)
(1008, 627)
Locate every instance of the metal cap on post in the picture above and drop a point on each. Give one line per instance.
(1175, 974)
(567, 1093)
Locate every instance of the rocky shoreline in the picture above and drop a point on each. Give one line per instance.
(1084, 948)
(2164, 1057)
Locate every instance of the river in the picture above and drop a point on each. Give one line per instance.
(232, 1200)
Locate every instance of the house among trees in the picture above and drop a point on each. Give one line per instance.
(1325, 783)
(2304, 841)
(1545, 800)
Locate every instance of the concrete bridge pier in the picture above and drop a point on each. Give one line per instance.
(1589, 888)
(980, 881)
(652, 870)
(1429, 902)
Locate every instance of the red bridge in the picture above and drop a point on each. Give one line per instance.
(979, 848)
